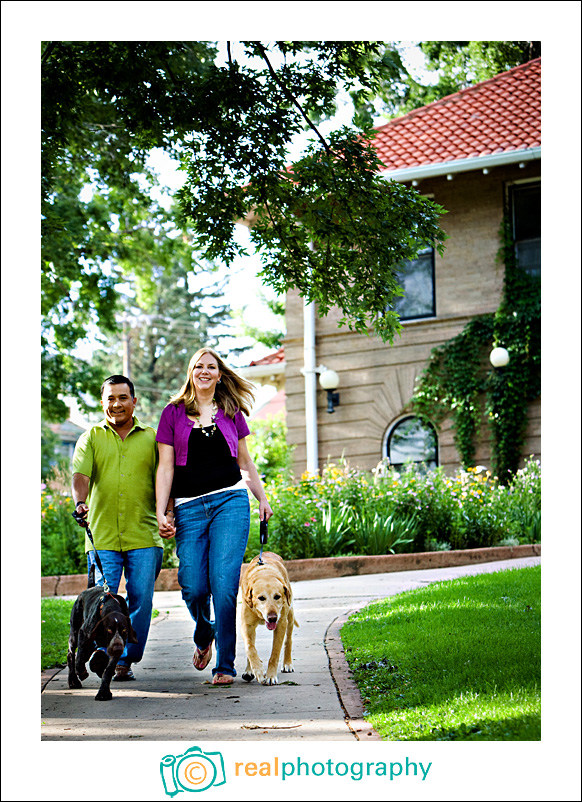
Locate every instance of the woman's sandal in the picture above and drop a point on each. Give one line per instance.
(202, 657)
(222, 679)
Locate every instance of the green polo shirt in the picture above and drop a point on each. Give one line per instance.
(122, 496)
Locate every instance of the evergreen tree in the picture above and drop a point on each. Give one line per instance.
(162, 336)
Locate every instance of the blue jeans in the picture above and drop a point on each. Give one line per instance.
(141, 568)
(211, 538)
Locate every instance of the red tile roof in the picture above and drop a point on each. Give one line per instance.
(271, 359)
(499, 115)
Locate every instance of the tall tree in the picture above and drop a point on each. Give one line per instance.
(327, 225)
(162, 336)
(456, 65)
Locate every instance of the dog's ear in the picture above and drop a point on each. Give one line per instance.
(132, 637)
(287, 590)
(249, 597)
(97, 632)
(123, 605)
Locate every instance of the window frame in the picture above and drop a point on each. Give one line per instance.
(392, 428)
(510, 187)
(429, 315)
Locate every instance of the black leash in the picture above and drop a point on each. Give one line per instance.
(264, 537)
(81, 520)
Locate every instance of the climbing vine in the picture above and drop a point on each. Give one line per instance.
(460, 382)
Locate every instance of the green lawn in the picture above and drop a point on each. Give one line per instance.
(54, 615)
(458, 660)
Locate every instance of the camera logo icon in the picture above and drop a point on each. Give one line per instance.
(195, 770)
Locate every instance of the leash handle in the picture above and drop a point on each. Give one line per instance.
(81, 520)
(264, 536)
(264, 530)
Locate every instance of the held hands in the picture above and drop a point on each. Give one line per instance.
(166, 525)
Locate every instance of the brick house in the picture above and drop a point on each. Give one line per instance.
(471, 152)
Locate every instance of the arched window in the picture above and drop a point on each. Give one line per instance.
(412, 440)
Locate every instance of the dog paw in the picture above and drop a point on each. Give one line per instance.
(248, 676)
(288, 668)
(74, 682)
(83, 673)
(104, 696)
(270, 681)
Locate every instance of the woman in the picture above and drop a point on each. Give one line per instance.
(206, 468)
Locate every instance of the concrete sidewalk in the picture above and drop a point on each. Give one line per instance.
(171, 701)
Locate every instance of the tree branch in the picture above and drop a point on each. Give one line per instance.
(48, 51)
(291, 97)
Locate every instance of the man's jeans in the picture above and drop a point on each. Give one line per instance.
(141, 568)
(211, 537)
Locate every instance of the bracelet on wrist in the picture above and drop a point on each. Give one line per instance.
(169, 511)
(79, 502)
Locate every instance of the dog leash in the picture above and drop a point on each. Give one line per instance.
(81, 520)
(264, 537)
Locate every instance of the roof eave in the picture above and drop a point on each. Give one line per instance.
(251, 372)
(462, 165)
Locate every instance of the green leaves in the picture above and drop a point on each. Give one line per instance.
(459, 379)
(328, 225)
(337, 231)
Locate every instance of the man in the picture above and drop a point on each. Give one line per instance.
(114, 472)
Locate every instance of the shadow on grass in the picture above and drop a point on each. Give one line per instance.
(516, 728)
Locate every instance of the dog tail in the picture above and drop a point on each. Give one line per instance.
(91, 580)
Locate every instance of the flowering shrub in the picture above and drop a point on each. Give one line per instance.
(348, 511)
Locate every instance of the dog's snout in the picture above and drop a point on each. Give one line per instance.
(116, 645)
(271, 621)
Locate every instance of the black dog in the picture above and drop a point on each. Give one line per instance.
(98, 619)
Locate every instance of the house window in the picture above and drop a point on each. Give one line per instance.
(412, 440)
(417, 279)
(526, 214)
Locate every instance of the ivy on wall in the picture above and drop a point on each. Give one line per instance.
(460, 382)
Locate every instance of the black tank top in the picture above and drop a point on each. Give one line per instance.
(210, 466)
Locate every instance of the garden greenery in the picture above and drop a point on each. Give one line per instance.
(62, 540)
(460, 382)
(268, 447)
(346, 511)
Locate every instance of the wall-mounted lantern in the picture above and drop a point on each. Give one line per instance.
(499, 357)
(329, 380)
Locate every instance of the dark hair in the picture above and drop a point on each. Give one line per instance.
(119, 380)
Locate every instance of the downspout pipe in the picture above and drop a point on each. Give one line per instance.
(310, 374)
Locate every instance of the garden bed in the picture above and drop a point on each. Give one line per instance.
(326, 567)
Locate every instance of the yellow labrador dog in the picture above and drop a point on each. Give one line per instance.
(267, 599)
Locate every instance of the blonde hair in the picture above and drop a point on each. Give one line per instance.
(232, 394)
